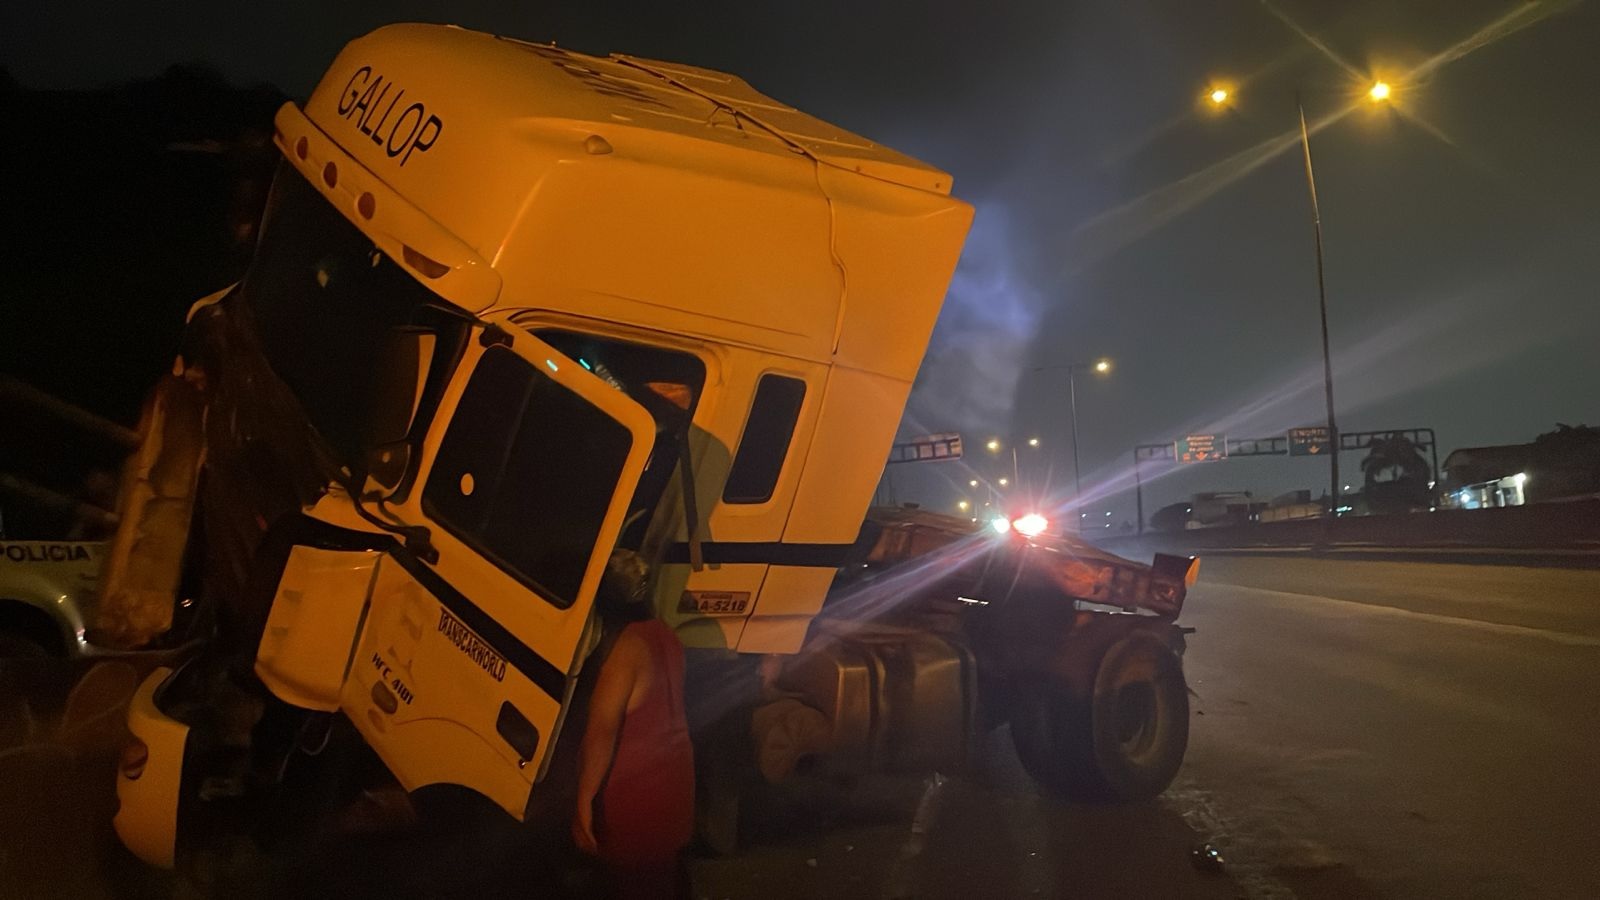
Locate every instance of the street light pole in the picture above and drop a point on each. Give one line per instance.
(1138, 492)
(1379, 92)
(1322, 305)
(1077, 485)
(1101, 366)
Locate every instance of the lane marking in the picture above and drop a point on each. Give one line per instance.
(1333, 550)
(1502, 628)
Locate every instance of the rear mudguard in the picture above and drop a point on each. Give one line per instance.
(1038, 632)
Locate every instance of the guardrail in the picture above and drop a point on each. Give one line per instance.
(1571, 525)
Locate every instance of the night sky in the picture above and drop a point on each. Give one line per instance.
(1117, 214)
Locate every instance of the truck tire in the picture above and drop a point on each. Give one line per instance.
(1123, 739)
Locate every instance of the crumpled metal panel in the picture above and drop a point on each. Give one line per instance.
(222, 410)
(1074, 567)
(145, 561)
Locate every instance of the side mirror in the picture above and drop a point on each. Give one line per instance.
(403, 371)
(386, 466)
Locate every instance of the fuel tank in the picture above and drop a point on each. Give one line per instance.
(899, 699)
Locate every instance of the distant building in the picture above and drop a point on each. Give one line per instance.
(1293, 505)
(1514, 474)
(1214, 508)
(1172, 517)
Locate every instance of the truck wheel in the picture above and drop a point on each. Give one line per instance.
(1122, 740)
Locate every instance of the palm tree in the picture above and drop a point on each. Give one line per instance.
(1396, 475)
(1569, 439)
(1566, 461)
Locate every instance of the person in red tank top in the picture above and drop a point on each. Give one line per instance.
(635, 807)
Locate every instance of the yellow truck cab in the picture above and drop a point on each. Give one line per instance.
(518, 293)
(514, 310)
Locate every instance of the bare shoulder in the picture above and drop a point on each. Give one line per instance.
(631, 647)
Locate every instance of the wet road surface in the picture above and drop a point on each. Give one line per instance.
(1432, 730)
(1360, 729)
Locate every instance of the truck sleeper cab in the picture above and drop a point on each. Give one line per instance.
(513, 309)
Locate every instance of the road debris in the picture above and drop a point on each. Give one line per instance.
(1207, 858)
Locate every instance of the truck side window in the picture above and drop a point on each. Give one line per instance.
(525, 474)
(667, 383)
(765, 441)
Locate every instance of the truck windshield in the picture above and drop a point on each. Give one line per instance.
(363, 345)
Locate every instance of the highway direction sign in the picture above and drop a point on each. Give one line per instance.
(1193, 448)
(928, 448)
(1311, 441)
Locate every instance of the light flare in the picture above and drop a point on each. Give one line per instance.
(1121, 225)
(1031, 525)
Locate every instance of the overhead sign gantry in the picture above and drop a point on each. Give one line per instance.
(1309, 441)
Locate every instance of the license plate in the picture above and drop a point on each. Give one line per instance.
(715, 603)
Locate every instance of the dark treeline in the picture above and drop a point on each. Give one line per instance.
(122, 206)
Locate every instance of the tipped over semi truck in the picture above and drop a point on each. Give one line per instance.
(515, 310)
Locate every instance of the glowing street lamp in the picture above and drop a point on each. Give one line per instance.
(972, 482)
(1219, 96)
(1033, 442)
(993, 445)
(1004, 481)
(1101, 366)
(1379, 92)
(963, 505)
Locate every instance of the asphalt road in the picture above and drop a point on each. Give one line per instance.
(1361, 729)
(1432, 730)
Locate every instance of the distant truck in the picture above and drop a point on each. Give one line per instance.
(514, 310)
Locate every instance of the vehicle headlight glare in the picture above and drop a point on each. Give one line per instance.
(1031, 525)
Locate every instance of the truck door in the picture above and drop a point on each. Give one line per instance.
(470, 639)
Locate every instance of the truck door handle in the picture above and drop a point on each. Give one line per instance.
(518, 732)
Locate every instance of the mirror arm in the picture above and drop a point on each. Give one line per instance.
(417, 539)
(494, 335)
